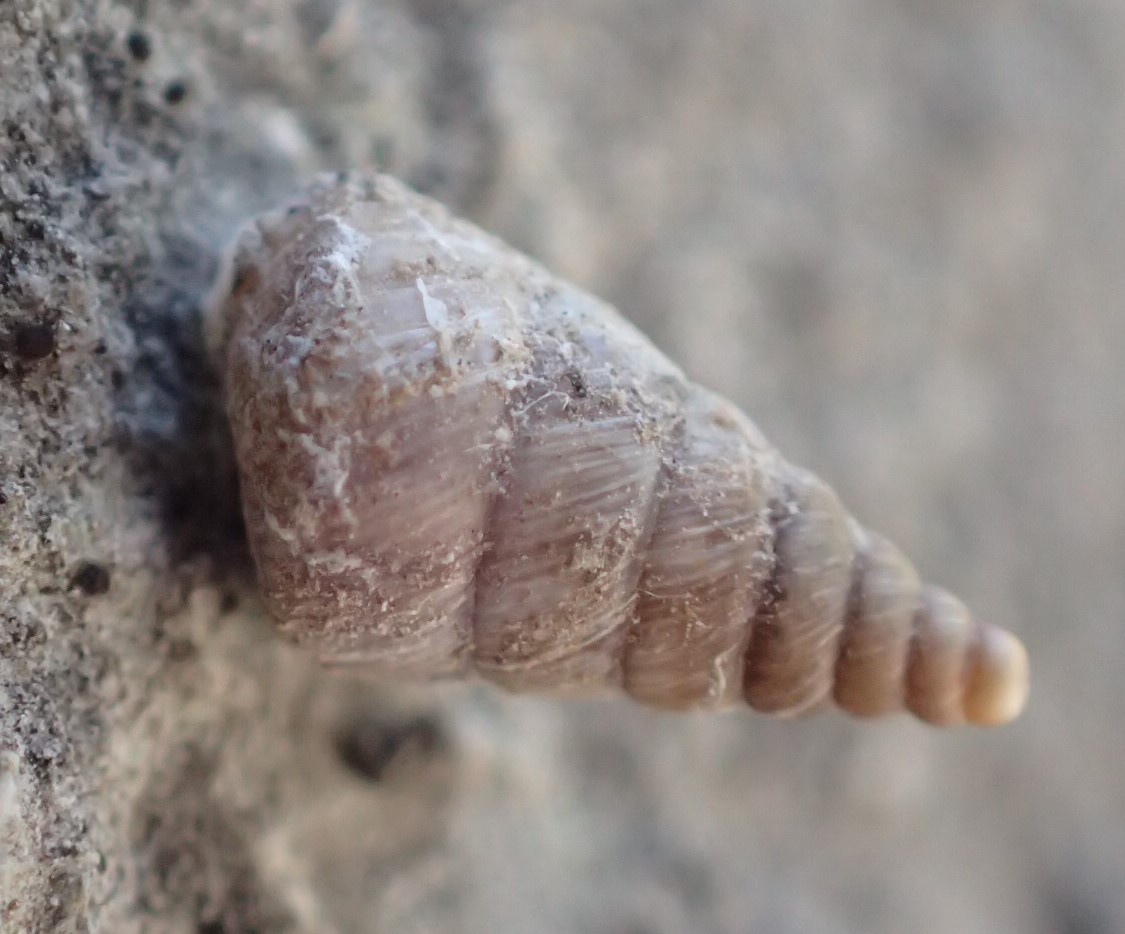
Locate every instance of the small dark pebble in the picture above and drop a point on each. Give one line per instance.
(35, 341)
(373, 749)
(139, 45)
(577, 384)
(175, 92)
(91, 578)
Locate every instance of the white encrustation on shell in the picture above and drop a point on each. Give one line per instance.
(454, 464)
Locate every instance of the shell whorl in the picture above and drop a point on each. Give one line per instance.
(454, 463)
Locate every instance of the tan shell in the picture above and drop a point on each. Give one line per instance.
(453, 463)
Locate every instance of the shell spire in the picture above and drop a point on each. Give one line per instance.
(455, 464)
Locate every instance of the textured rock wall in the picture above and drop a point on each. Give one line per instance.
(892, 231)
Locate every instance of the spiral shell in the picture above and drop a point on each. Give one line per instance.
(454, 463)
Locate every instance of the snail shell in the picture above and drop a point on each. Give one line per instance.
(453, 463)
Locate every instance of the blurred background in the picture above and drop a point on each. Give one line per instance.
(894, 232)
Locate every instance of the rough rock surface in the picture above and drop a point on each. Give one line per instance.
(908, 223)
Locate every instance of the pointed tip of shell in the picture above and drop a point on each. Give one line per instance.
(998, 681)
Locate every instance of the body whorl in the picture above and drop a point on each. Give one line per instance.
(454, 463)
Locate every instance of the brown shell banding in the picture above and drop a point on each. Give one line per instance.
(453, 463)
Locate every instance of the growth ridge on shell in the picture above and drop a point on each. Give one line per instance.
(455, 464)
